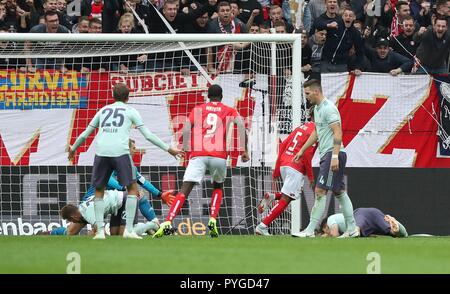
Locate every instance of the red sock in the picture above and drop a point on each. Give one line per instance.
(216, 200)
(176, 206)
(275, 212)
(278, 195)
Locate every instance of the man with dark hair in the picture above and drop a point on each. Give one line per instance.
(206, 130)
(384, 60)
(95, 26)
(113, 153)
(83, 25)
(402, 11)
(342, 36)
(404, 43)
(333, 158)
(51, 26)
(223, 60)
(316, 43)
(434, 47)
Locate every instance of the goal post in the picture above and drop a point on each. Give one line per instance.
(43, 110)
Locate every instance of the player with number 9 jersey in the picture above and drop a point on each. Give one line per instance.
(206, 129)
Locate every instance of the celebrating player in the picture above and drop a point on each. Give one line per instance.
(328, 133)
(113, 153)
(292, 174)
(370, 221)
(207, 127)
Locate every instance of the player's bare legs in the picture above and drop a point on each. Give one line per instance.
(99, 210)
(130, 210)
(216, 200)
(263, 227)
(166, 227)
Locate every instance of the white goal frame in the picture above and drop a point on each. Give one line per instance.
(297, 75)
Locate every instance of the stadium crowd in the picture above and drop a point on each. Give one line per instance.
(387, 36)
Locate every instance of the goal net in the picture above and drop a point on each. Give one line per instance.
(51, 85)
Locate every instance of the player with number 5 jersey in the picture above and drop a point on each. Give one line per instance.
(114, 122)
(292, 174)
(207, 129)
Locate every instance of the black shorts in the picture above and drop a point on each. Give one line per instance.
(104, 166)
(120, 219)
(328, 179)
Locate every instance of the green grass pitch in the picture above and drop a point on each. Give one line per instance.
(226, 254)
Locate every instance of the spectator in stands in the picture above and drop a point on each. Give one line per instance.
(128, 63)
(384, 60)
(434, 47)
(403, 11)
(341, 37)
(223, 59)
(52, 6)
(424, 17)
(306, 56)
(249, 8)
(316, 8)
(90, 63)
(3, 20)
(97, 9)
(316, 43)
(10, 16)
(264, 28)
(29, 14)
(51, 26)
(82, 27)
(95, 26)
(10, 63)
(254, 29)
(276, 14)
(404, 43)
(142, 12)
(235, 9)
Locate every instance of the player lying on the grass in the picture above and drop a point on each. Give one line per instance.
(207, 128)
(144, 204)
(370, 221)
(113, 153)
(291, 172)
(115, 202)
(333, 158)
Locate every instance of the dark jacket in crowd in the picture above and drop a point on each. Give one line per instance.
(392, 61)
(406, 42)
(432, 52)
(339, 41)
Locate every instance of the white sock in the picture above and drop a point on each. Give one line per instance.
(99, 211)
(130, 210)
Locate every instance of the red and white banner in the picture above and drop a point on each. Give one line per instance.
(387, 121)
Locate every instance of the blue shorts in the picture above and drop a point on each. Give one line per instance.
(329, 180)
(371, 222)
(104, 166)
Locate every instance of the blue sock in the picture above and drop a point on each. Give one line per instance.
(146, 209)
(59, 231)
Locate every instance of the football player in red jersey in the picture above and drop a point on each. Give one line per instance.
(207, 130)
(291, 172)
